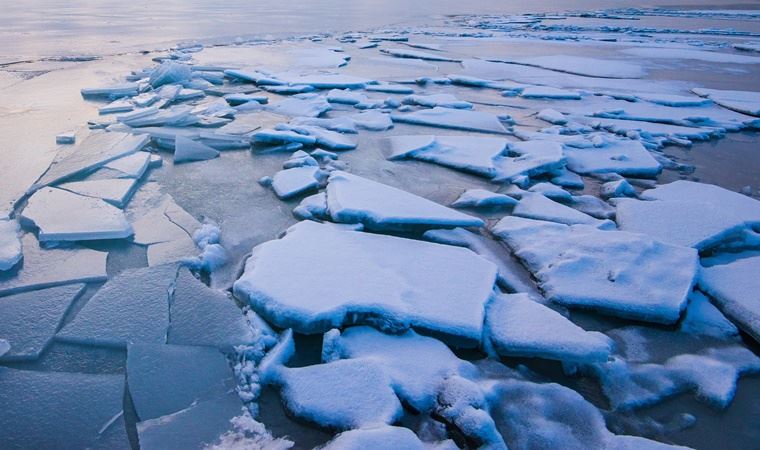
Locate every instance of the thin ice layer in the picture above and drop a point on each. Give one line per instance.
(318, 277)
(615, 272)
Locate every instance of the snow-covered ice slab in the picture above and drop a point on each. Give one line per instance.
(537, 206)
(297, 180)
(416, 364)
(712, 373)
(353, 199)
(204, 316)
(10, 244)
(745, 102)
(296, 107)
(415, 54)
(689, 213)
(30, 319)
(559, 418)
(550, 93)
(372, 120)
(517, 325)
(61, 410)
(625, 157)
(114, 91)
(187, 150)
(615, 272)
(481, 198)
(52, 267)
(93, 152)
(318, 277)
(343, 394)
(376, 438)
(458, 119)
(115, 191)
(198, 426)
(64, 216)
(529, 158)
(132, 307)
(433, 100)
(328, 81)
(130, 166)
(164, 379)
(472, 154)
(734, 287)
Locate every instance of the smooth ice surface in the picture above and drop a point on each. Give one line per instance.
(376, 438)
(318, 277)
(734, 287)
(342, 394)
(10, 244)
(481, 198)
(30, 319)
(198, 426)
(115, 191)
(164, 379)
(625, 157)
(517, 325)
(204, 316)
(64, 216)
(132, 307)
(187, 150)
(94, 151)
(616, 272)
(354, 199)
(433, 100)
(745, 102)
(416, 364)
(52, 267)
(538, 206)
(61, 410)
(458, 119)
(688, 213)
(167, 230)
(579, 65)
(291, 182)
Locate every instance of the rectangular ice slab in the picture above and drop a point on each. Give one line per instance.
(61, 215)
(318, 277)
(94, 151)
(132, 307)
(353, 199)
(735, 287)
(615, 272)
(52, 267)
(28, 321)
(61, 410)
(164, 379)
(458, 119)
(517, 325)
(625, 157)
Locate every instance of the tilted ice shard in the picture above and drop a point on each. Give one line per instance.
(186, 150)
(376, 437)
(336, 277)
(538, 206)
(291, 182)
(625, 157)
(61, 215)
(353, 199)
(735, 286)
(481, 198)
(115, 191)
(614, 272)
(517, 325)
(133, 307)
(30, 319)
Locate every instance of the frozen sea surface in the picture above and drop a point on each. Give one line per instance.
(590, 287)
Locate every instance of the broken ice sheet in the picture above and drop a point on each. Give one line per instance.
(167, 231)
(116, 191)
(164, 379)
(337, 276)
(61, 215)
(94, 151)
(376, 438)
(433, 100)
(625, 157)
(343, 394)
(132, 307)
(579, 65)
(353, 199)
(538, 206)
(612, 272)
(55, 409)
(187, 150)
(10, 244)
(457, 119)
(30, 319)
(688, 213)
(517, 325)
(297, 180)
(734, 286)
(43, 268)
(745, 102)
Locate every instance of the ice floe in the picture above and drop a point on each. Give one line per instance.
(415, 54)
(10, 244)
(537, 206)
(481, 198)
(625, 157)
(376, 437)
(339, 277)
(116, 191)
(187, 150)
(613, 272)
(297, 180)
(458, 119)
(733, 286)
(745, 102)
